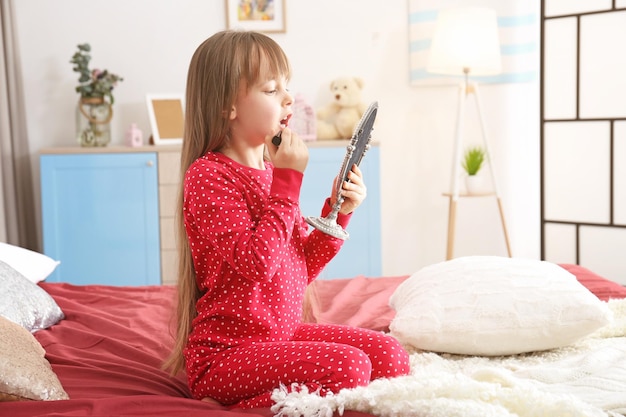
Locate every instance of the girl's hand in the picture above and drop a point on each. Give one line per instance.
(353, 191)
(292, 152)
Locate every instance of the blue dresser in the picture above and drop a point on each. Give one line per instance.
(108, 213)
(100, 217)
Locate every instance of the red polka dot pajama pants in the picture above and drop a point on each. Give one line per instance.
(325, 357)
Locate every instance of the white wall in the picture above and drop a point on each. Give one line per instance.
(150, 43)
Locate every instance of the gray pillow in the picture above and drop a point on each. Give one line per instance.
(26, 303)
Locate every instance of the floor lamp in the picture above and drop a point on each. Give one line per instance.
(466, 43)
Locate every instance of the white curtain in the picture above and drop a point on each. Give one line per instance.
(18, 224)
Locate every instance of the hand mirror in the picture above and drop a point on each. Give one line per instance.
(359, 144)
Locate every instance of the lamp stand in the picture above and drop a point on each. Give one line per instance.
(466, 89)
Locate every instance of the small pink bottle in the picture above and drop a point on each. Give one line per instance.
(134, 136)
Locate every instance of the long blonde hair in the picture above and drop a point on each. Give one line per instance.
(216, 71)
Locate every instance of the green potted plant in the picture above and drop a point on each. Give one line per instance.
(472, 162)
(94, 111)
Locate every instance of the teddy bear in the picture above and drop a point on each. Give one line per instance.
(338, 119)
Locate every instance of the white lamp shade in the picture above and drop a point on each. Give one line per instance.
(466, 38)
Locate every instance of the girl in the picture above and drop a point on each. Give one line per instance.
(246, 255)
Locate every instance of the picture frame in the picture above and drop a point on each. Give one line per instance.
(259, 15)
(166, 113)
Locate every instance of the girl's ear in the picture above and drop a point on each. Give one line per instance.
(230, 115)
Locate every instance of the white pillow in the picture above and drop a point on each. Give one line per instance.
(34, 266)
(489, 305)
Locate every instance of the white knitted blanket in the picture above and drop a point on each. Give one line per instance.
(587, 379)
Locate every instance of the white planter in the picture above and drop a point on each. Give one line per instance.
(475, 184)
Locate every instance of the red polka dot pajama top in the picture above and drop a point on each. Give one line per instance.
(254, 256)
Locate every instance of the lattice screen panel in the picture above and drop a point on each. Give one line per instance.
(583, 135)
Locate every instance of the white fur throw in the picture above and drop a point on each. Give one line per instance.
(587, 379)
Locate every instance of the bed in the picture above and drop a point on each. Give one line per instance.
(107, 347)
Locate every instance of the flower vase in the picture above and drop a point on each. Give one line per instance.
(93, 121)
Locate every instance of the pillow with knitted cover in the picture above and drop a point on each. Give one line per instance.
(25, 374)
(490, 306)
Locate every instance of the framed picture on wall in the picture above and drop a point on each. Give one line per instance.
(260, 15)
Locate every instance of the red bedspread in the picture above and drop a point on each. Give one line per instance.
(107, 354)
(108, 350)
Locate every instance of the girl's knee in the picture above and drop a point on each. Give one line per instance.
(353, 369)
(389, 358)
